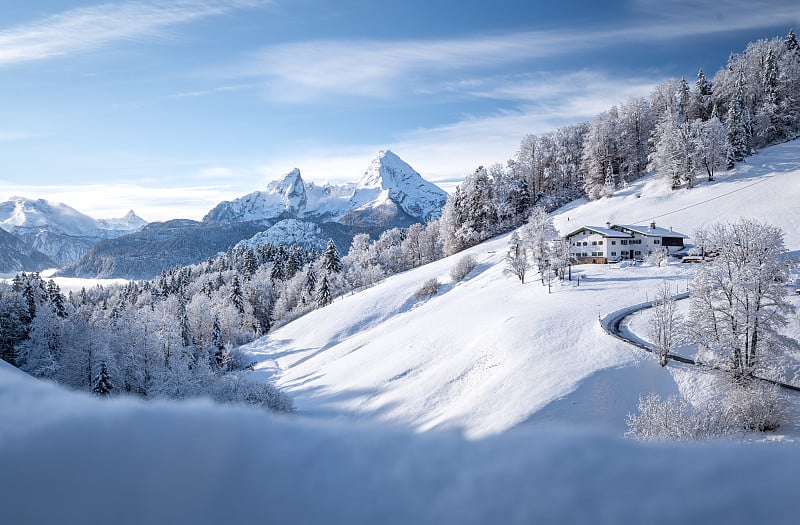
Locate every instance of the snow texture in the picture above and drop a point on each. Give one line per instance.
(70, 458)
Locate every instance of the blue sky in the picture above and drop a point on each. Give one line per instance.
(169, 107)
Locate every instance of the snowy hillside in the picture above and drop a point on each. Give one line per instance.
(763, 187)
(487, 354)
(387, 180)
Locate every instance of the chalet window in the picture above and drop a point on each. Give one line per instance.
(623, 241)
(656, 241)
(613, 253)
(600, 243)
(638, 252)
(585, 243)
(594, 243)
(614, 242)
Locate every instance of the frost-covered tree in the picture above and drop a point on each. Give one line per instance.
(672, 155)
(664, 324)
(635, 127)
(537, 235)
(709, 145)
(738, 122)
(600, 151)
(517, 258)
(738, 299)
(331, 262)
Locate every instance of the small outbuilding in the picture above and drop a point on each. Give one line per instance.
(618, 242)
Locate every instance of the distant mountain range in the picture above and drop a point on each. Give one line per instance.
(16, 255)
(290, 211)
(54, 234)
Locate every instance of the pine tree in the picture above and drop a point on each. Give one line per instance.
(791, 42)
(217, 340)
(311, 280)
(324, 297)
(102, 383)
(331, 261)
(277, 272)
(55, 298)
(235, 297)
(738, 124)
(701, 102)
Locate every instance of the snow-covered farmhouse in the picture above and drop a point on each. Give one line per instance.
(613, 243)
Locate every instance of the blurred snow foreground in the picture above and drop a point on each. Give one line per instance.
(66, 457)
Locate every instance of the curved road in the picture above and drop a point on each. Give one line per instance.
(613, 325)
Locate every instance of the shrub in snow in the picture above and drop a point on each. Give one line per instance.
(673, 419)
(427, 290)
(753, 405)
(231, 388)
(462, 268)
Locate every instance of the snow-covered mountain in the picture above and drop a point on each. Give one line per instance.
(16, 255)
(289, 211)
(128, 223)
(60, 231)
(390, 193)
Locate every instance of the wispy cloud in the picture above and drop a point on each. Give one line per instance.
(301, 71)
(88, 28)
(8, 136)
(316, 70)
(215, 91)
(686, 18)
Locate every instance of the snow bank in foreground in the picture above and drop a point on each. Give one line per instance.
(69, 458)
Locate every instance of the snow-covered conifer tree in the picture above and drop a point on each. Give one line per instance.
(331, 261)
(324, 296)
(102, 382)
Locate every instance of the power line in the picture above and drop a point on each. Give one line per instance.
(705, 201)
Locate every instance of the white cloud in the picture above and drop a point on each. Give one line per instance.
(87, 28)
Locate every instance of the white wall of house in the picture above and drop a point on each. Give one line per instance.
(587, 244)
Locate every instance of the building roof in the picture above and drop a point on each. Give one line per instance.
(650, 232)
(605, 232)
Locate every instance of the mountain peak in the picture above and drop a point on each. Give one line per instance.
(291, 189)
(416, 196)
(386, 171)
